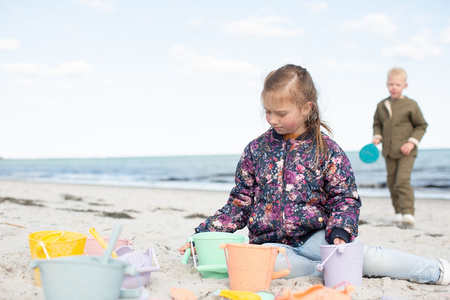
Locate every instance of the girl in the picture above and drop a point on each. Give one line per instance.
(295, 188)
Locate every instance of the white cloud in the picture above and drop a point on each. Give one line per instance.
(195, 22)
(334, 65)
(208, 66)
(316, 5)
(445, 35)
(100, 5)
(374, 23)
(267, 27)
(77, 68)
(24, 68)
(72, 68)
(348, 46)
(417, 48)
(24, 82)
(9, 44)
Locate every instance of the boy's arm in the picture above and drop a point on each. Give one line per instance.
(377, 132)
(420, 126)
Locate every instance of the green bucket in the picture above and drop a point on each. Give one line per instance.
(211, 258)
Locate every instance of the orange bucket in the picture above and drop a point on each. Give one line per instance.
(250, 267)
(50, 244)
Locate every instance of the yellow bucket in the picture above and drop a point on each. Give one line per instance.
(49, 244)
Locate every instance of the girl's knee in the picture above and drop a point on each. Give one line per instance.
(372, 257)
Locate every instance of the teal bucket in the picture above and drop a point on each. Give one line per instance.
(211, 258)
(84, 277)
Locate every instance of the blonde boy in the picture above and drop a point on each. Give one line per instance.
(399, 125)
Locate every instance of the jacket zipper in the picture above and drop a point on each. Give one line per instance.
(283, 194)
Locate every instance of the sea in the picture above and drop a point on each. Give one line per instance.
(430, 177)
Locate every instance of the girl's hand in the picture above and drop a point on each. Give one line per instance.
(183, 248)
(338, 241)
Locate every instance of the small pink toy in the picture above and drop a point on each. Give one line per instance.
(92, 246)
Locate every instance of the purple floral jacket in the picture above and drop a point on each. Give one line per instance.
(284, 197)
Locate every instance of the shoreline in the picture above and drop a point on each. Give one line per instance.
(203, 190)
(163, 219)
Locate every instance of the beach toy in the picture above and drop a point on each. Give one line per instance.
(342, 263)
(211, 259)
(182, 294)
(86, 277)
(250, 267)
(143, 263)
(101, 241)
(50, 244)
(315, 292)
(241, 295)
(96, 244)
(94, 248)
(369, 153)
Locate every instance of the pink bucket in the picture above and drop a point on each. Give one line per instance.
(342, 263)
(92, 247)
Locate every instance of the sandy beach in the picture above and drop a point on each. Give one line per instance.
(164, 219)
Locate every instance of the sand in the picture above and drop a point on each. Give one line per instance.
(164, 219)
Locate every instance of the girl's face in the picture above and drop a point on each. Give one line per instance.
(284, 116)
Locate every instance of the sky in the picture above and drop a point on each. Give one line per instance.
(120, 78)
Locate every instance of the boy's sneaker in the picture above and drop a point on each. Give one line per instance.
(398, 218)
(444, 268)
(408, 220)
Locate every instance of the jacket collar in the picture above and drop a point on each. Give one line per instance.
(304, 136)
(387, 104)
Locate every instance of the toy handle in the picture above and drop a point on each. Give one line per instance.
(186, 255)
(213, 268)
(34, 264)
(188, 252)
(151, 268)
(339, 248)
(285, 272)
(101, 241)
(224, 247)
(40, 247)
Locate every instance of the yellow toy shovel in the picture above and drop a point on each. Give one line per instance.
(101, 241)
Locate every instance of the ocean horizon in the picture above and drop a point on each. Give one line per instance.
(430, 177)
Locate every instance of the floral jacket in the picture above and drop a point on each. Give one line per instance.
(284, 196)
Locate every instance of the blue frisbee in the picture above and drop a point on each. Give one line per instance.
(369, 153)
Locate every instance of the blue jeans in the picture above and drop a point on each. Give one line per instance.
(378, 262)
